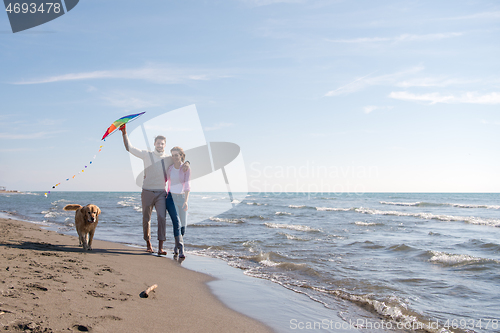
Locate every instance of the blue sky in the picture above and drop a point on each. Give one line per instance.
(320, 95)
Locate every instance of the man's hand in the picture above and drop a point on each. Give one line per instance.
(123, 128)
(185, 167)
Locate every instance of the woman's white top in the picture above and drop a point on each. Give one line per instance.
(175, 181)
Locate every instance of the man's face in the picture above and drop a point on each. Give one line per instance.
(160, 145)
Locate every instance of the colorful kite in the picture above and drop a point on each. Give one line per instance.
(120, 122)
(116, 125)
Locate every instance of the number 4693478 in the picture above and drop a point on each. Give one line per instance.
(33, 8)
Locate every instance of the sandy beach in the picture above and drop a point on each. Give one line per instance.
(48, 284)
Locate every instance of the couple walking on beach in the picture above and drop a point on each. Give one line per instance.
(160, 169)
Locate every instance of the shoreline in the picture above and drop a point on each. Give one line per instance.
(48, 284)
(270, 305)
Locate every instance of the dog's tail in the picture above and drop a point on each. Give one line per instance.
(72, 207)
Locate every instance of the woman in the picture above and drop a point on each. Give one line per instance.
(178, 191)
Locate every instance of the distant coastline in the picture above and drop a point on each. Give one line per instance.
(10, 191)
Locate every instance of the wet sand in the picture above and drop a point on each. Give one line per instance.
(49, 284)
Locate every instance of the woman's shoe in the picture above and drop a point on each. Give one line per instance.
(179, 246)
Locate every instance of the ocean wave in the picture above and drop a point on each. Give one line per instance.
(21, 193)
(330, 209)
(474, 206)
(429, 216)
(391, 309)
(69, 222)
(292, 237)
(272, 259)
(301, 207)
(270, 266)
(260, 217)
(450, 259)
(291, 227)
(401, 248)
(256, 204)
(50, 213)
(55, 203)
(477, 243)
(282, 213)
(430, 204)
(251, 243)
(400, 203)
(218, 219)
(367, 223)
(203, 225)
(130, 201)
(367, 244)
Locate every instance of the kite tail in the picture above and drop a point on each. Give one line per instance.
(72, 207)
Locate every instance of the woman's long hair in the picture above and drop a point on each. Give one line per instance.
(181, 152)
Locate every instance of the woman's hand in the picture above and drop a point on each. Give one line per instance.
(185, 206)
(185, 167)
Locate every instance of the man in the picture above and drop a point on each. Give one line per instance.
(153, 187)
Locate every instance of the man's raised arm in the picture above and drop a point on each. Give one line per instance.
(125, 137)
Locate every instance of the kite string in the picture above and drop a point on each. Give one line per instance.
(83, 170)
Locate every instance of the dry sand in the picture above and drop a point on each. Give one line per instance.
(48, 284)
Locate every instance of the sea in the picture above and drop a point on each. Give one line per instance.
(419, 262)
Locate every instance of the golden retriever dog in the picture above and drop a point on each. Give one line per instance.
(86, 219)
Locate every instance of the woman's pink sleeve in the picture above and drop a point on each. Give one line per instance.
(187, 178)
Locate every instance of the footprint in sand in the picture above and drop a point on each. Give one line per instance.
(81, 328)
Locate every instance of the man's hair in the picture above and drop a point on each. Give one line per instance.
(160, 137)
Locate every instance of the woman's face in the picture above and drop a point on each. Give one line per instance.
(176, 155)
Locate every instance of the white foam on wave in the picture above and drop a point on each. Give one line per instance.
(429, 216)
(5, 215)
(49, 213)
(282, 213)
(269, 263)
(391, 309)
(130, 202)
(55, 203)
(474, 206)
(218, 219)
(400, 203)
(456, 259)
(256, 204)
(295, 206)
(292, 237)
(330, 209)
(264, 259)
(418, 204)
(365, 223)
(290, 227)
